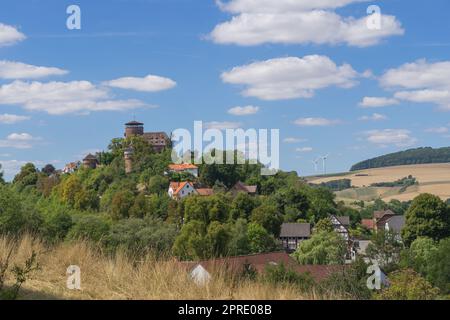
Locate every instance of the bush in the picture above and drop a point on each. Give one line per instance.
(90, 227)
(407, 284)
(279, 274)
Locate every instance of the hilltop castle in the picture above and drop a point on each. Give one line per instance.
(158, 140)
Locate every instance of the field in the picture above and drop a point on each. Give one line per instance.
(120, 278)
(432, 178)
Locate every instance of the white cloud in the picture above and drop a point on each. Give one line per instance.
(58, 98)
(294, 140)
(376, 102)
(222, 125)
(291, 77)
(420, 82)
(7, 118)
(150, 83)
(437, 130)
(298, 22)
(373, 117)
(19, 70)
(315, 122)
(9, 35)
(243, 111)
(304, 149)
(19, 141)
(386, 137)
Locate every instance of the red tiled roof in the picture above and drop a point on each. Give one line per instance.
(239, 186)
(261, 261)
(177, 186)
(368, 223)
(205, 191)
(181, 167)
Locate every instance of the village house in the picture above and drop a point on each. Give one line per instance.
(180, 190)
(202, 271)
(292, 234)
(71, 167)
(341, 225)
(241, 187)
(184, 167)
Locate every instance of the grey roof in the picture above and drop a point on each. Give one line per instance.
(396, 223)
(345, 220)
(295, 230)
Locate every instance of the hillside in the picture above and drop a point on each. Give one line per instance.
(120, 278)
(432, 178)
(408, 157)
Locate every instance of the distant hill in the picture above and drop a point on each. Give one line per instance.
(408, 157)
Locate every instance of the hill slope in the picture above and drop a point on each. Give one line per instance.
(432, 178)
(408, 157)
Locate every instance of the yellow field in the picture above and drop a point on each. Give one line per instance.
(433, 178)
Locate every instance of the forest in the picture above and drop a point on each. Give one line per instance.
(407, 157)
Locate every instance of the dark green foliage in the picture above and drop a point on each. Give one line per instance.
(428, 216)
(90, 227)
(280, 274)
(323, 248)
(140, 236)
(404, 183)
(385, 247)
(408, 157)
(335, 185)
(351, 282)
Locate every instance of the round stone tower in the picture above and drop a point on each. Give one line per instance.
(128, 155)
(134, 128)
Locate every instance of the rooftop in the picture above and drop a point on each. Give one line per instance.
(134, 123)
(295, 230)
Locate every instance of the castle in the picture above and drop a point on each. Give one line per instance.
(158, 140)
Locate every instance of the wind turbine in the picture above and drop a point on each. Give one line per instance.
(315, 163)
(324, 163)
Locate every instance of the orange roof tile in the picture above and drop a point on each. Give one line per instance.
(181, 167)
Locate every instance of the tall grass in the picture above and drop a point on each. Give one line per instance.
(120, 277)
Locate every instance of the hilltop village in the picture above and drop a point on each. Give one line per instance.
(132, 198)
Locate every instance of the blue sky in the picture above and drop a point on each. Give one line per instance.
(316, 66)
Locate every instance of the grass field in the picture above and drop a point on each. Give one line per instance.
(104, 277)
(432, 178)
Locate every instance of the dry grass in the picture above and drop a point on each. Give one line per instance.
(120, 278)
(433, 178)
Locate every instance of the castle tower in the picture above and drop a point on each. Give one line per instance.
(134, 128)
(90, 161)
(128, 155)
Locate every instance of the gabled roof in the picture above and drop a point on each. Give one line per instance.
(295, 230)
(181, 167)
(344, 220)
(240, 186)
(205, 191)
(178, 186)
(380, 214)
(396, 223)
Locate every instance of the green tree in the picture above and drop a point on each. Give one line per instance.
(322, 248)
(408, 285)
(191, 243)
(324, 225)
(121, 204)
(259, 239)
(439, 266)
(385, 248)
(90, 227)
(242, 206)
(12, 217)
(28, 176)
(428, 216)
(268, 217)
(158, 184)
(239, 243)
(217, 237)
